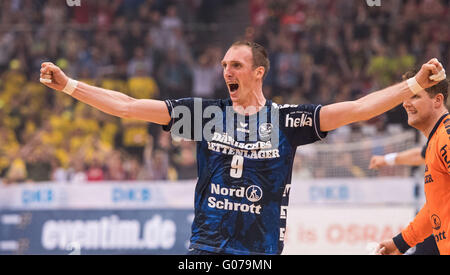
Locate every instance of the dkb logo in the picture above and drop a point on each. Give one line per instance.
(372, 3)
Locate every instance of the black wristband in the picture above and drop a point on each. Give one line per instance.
(400, 243)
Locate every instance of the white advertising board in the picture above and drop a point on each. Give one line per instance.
(334, 230)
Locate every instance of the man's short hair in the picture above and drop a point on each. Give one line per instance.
(260, 56)
(440, 88)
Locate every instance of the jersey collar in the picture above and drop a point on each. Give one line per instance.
(435, 128)
(229, 102)
(437, 125)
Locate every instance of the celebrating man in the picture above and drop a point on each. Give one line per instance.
(245, 144)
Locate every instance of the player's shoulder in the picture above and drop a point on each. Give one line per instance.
(440, 138)
(286, 108)
(442, 144)
(443, 131)
(197, 101)
(297, 114)
(215, 102)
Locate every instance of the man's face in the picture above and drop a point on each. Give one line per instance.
(419, 109)
(238, 72)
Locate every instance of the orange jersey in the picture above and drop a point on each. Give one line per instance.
(434, 217)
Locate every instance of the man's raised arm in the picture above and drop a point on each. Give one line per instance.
(108, 101)
(339, 114)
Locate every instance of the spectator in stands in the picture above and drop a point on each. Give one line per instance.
(54, 12)
(58, 173)
(6, 48)
(141, 62)
(175, 76)
(286, 66)
(185, 161)
(132, 168)
(300, 170)
(77, 172)
(205, 76)
(17, 172)
(141, 84)
(95, 171)
(114, 167)
(361, 46)
(171, 21)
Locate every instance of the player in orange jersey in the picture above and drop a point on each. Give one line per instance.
(428, 113)
(411, 157)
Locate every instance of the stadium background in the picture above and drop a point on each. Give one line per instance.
(64, 164)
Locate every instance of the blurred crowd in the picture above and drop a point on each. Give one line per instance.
(331, 51)
(321, 52)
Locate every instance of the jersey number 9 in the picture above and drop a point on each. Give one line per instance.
(237, 164)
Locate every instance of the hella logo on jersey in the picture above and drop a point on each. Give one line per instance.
(302, 121)
(252, 193)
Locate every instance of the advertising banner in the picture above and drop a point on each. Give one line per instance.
(100, 195)
(153, 231)
(334, 230)
(328, 216)
(351, 190)
(145, 195)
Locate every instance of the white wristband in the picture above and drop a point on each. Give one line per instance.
(70, 86)
(414, 85)
(390, 158)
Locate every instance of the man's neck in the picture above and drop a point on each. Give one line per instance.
(250, 105)
(432, 122)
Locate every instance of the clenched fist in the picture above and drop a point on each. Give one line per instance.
(376, 162)
(430, 74)
(52, 76)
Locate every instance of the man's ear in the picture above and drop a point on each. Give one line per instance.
(439, 100)
(260, 72)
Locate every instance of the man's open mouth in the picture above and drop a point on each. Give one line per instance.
(233, 87)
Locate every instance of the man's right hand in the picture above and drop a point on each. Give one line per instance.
(428, 69)
(377, 162)
(387, 248)
(55, 74)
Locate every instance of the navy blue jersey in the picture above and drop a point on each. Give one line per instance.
(244, 166)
